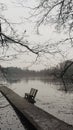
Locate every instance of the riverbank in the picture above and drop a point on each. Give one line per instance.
(39, 118)
(8, 118)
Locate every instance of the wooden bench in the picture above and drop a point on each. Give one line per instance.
(31, 96)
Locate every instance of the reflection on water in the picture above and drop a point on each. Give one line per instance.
(49, 97)
(67, 85)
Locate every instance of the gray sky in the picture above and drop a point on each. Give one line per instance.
(16, 13)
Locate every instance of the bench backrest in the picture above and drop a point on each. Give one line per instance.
(33, 92)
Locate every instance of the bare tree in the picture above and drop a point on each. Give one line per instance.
(58, 12)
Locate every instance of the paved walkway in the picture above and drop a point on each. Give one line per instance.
(39, 118)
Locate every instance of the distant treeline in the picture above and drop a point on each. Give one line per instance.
(14, 73)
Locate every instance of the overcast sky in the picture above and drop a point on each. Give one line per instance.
(15, 13)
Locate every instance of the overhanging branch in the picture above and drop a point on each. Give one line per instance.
(19, 43)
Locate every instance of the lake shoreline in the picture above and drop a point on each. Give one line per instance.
(43, 120)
